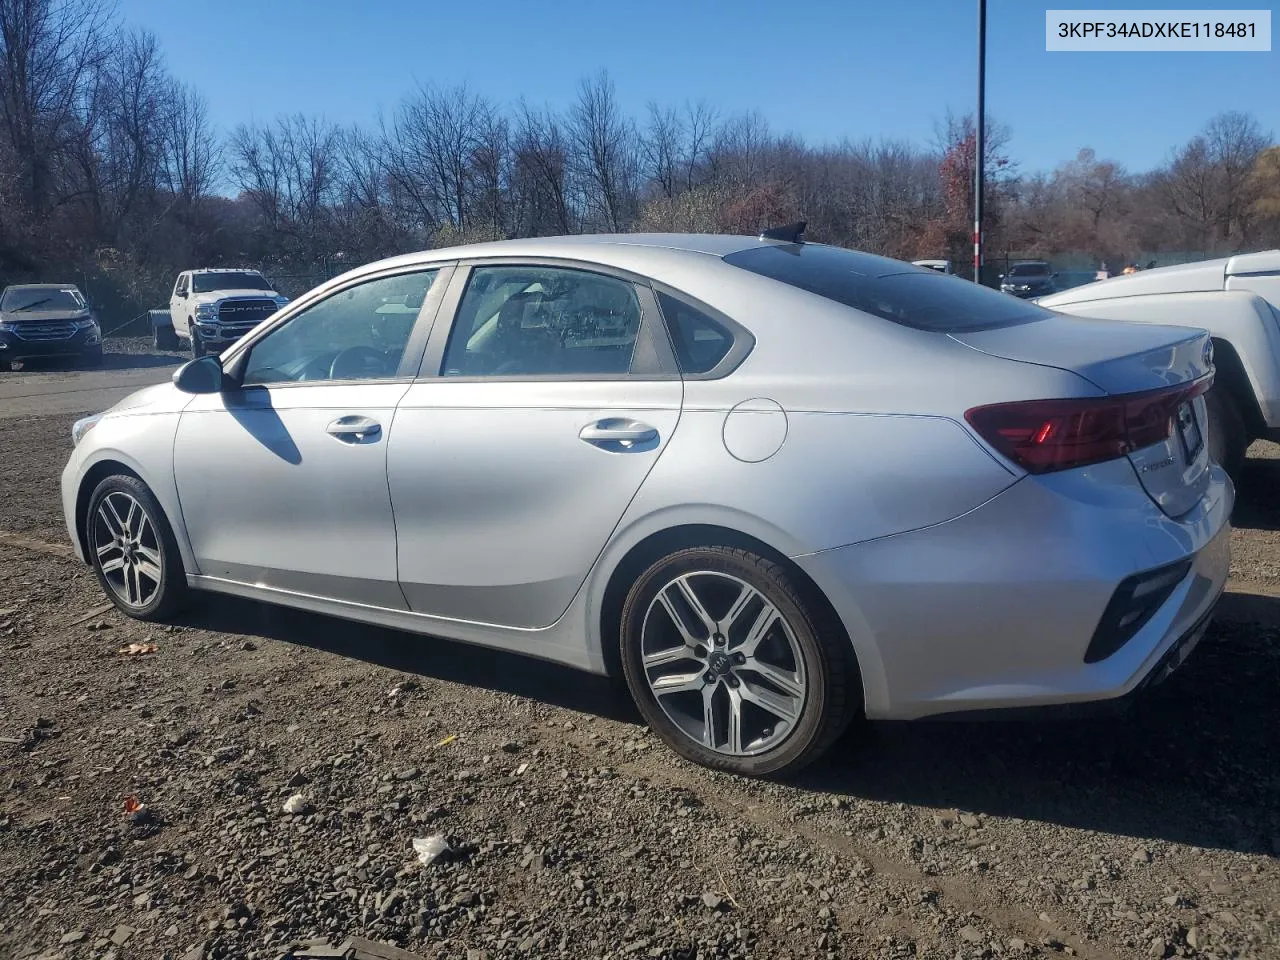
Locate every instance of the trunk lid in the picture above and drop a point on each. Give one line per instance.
(1126, 358)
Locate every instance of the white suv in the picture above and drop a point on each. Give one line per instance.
(218, 307)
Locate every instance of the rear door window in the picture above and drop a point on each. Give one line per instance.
(913, 297)
(518, 321)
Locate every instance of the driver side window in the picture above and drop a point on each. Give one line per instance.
(359, 333)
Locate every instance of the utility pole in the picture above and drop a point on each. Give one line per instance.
(979, 132)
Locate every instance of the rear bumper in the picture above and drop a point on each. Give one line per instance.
(995, 610)
(1173, 658)
(13, 347)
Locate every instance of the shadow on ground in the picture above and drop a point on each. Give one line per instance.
(110, 361)
(425, 656)
(1193, 761)
(1258, 495)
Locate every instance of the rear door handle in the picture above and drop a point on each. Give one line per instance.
(353, 429)
(617, 430)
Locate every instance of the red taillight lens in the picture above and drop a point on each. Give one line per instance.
(1046, 435)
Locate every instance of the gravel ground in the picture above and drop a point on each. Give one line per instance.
(571, 830)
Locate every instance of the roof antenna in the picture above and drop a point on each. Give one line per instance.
(790, 233)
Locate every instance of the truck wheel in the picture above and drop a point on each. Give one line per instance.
(165, 339)
(197, 345)
(1228, 439)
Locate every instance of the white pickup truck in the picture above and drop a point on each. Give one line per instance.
(1237, 299)
(214, 308)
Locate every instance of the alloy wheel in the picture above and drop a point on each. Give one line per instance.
(723, 663)
(127, 549)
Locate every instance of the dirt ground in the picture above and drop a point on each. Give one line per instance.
(572, 832)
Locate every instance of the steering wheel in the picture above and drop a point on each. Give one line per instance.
(358, 363)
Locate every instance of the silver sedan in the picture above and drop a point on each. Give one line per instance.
(775, 485)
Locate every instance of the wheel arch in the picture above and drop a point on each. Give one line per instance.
(1231, 374)
(668, 540)
(99, 471)
(110, 463)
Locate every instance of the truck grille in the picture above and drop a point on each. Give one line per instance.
(242, 315)
(45, 330)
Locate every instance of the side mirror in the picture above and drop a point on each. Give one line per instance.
(199, 376)
(182, 294)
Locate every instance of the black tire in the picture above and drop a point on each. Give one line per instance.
(5, 364)
(833, 694)
(1228, 436)
(164, 338)
(171, 592)
(92, 357)
(197, 345)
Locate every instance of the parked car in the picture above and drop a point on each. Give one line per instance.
(775, 485)
(215, 308)
(47, 320)
(942, 266)
(1028, 278)
(1237, 299)
(1069, 279)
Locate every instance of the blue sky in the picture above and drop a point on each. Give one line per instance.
(824, 69)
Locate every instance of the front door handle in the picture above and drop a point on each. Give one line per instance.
(353, 429)
(616, 430)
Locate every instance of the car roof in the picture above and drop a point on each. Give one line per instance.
(622, 249)
(225, 270)
(42, 286)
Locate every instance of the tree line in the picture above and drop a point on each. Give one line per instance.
(111, 168)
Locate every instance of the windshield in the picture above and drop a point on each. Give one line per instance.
(41, 298)
(1029, 270)
(885, 288)
(228, 280)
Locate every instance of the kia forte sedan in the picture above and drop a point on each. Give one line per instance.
(774, 485)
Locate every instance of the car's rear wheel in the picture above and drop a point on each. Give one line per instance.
(732, 667)
(1228, 436)
(133, 551)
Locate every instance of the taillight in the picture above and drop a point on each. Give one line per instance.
(1046, 435)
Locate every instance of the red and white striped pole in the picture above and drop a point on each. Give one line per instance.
(980, 129)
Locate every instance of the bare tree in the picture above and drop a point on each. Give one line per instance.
(605, 154)
(49, 52)
(699, 128)
(661, 147)
(434, 140)
(739, 152)
(540, 174)
(289, 172)
(192, 153)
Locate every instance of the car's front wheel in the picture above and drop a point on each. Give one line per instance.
(732, 667)
(133, 551)
(92, 357)
(197, 345)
